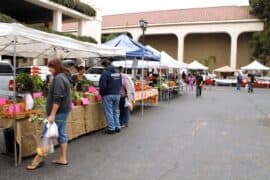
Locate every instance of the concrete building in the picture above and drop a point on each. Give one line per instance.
(49, 14)
(188, 34)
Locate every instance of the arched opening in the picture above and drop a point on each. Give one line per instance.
(244, 50)
(162, 42)
(202, 46)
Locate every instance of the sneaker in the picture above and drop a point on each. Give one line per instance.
(124, 126)
(107, 131)
(117, 130)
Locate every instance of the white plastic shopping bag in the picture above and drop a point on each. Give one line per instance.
(127, 102)
(52, 130)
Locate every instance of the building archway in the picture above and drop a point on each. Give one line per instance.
(244, 50)
(163, 42)
(199, 46)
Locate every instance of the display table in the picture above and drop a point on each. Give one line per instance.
(148, 96)
(225, 82)
(81, 120)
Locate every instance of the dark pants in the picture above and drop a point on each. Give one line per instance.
(124, 112)
(198, 91)
(250, 87)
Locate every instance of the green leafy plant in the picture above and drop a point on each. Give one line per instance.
(76, 95)
(78, 6)
(83, 85)
(208, 61)
(261, 40)
(36, 119)
(24, 83)
(40, 101)
(7, 19)
(37, 83)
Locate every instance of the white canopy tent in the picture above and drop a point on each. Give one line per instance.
(166, 60)
(18, 40)
(255, 66)
(225, 69)
(34, 43)
(195, 65)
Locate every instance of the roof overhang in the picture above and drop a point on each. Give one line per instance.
(54, 6)
(187, 23)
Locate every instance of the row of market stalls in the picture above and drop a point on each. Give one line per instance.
(18, 40)
(87, 115)
(149, 61)
(226, 75)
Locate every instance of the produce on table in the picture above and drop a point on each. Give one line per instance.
(139, 86)
(171, 83)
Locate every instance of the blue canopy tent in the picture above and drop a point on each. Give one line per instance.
(134, 50)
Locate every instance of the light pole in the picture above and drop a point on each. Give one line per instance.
(143, 25)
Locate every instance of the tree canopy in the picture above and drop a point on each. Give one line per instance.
(261, 40)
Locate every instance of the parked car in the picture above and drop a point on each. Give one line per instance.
(42, 71)
(93, 74)
(6, 78)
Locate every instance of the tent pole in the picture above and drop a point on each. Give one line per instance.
(142, 78)
(14, 102)
(160, 89)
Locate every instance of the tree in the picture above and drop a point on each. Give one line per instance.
(261, 40)
(208, 61)
(108, 37)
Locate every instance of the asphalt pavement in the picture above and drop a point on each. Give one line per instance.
(223, 135)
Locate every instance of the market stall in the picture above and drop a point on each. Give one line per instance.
(259, 70)
(226, 76)
(196, 66)
(18, 40)
(82, 120)
(135, 51)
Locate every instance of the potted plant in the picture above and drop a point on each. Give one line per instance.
(37, 83)
(83, 85)
(76, 98)
(24, 85)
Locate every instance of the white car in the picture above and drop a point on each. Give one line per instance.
(93, 74)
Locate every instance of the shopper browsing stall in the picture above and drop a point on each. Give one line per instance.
(127, 97)
(58, 107)
(110, 84)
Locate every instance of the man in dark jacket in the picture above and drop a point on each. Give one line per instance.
(110, 84)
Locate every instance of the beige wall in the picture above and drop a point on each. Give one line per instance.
(167, 43)
(199, 46)
(244, 51)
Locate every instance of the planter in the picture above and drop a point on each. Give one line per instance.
(77, 102)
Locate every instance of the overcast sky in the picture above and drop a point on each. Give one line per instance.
(125, 6)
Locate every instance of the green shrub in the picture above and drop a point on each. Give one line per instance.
(7, 19)
(78, 6)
